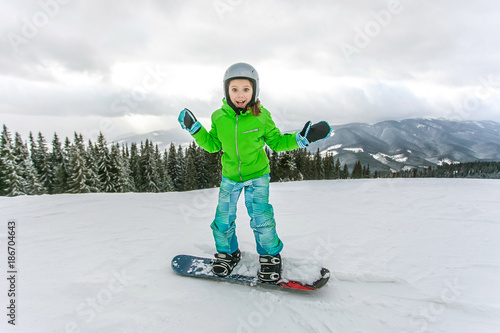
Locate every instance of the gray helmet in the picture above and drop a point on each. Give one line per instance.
(242, 70)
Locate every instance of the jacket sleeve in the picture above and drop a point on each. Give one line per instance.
(277, 141)
(208, 140)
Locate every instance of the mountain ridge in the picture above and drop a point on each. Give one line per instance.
(413, 143)
(388, 145)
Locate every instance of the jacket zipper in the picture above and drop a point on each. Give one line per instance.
(236, 142)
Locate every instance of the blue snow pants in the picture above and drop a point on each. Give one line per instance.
(260, 211)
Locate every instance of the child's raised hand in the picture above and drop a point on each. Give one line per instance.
(188, 121)
(312, 133)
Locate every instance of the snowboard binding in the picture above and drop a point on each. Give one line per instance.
(224, 263)
(270, 268)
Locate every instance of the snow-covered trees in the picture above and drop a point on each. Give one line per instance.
(31, 183)
(12, 181)
(79, 173)
(300, 164)
(75, 167)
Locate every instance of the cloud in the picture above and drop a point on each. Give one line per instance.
(117, 59)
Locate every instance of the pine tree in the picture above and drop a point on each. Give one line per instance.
(345, 172)
(337, 169)
(45, 171)
(176, 167)
(13, 183)
(156, 164)
(57, 153)
(329, 166)
(286, 168)
(135, 168)
(357, 171)
(160, 171)
(168, 185)
(60, 162)
(301, 162)
(214, 168)
(21, 153)
(273, 164)
(201, 165)
(78, 142)
(3, 186)
(312, 166)
(104, 165)
(62, 171)
(78, 177)
(366, 171)
(151, 178)
(120, 171)
(191, 182)
(306, 165)
(129, 184)
(319, 172)
(180, 166)
(172, 165)
(145, 168)
(34, 154)
(91, 168)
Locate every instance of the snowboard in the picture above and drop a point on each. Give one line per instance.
(202, 268)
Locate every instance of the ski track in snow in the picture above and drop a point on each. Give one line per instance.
(405, 256)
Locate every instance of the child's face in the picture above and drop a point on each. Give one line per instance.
(240, 92)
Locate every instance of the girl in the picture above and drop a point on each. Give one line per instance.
(241, 128)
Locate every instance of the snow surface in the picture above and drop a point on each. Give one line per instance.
(334, 147)
(447, 161)
(383, 158)
(405, 256)
(354, 150)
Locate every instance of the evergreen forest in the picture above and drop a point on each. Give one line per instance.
(32, 168)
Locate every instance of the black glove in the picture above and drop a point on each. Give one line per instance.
(188, 121)
(315, 132)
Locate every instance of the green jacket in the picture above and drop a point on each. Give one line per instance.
(242, 139)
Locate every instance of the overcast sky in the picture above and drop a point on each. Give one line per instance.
(130, 66)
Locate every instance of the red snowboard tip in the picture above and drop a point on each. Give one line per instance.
(296, 285)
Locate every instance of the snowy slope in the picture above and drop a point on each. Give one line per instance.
(406, 256)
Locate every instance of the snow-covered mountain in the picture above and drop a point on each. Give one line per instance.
(395, 145)
(406, 255)
(413, 143)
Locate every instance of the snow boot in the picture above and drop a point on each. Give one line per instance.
(224, 263)
(270, 268)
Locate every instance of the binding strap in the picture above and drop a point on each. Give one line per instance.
(224, 264)
(267, 272)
